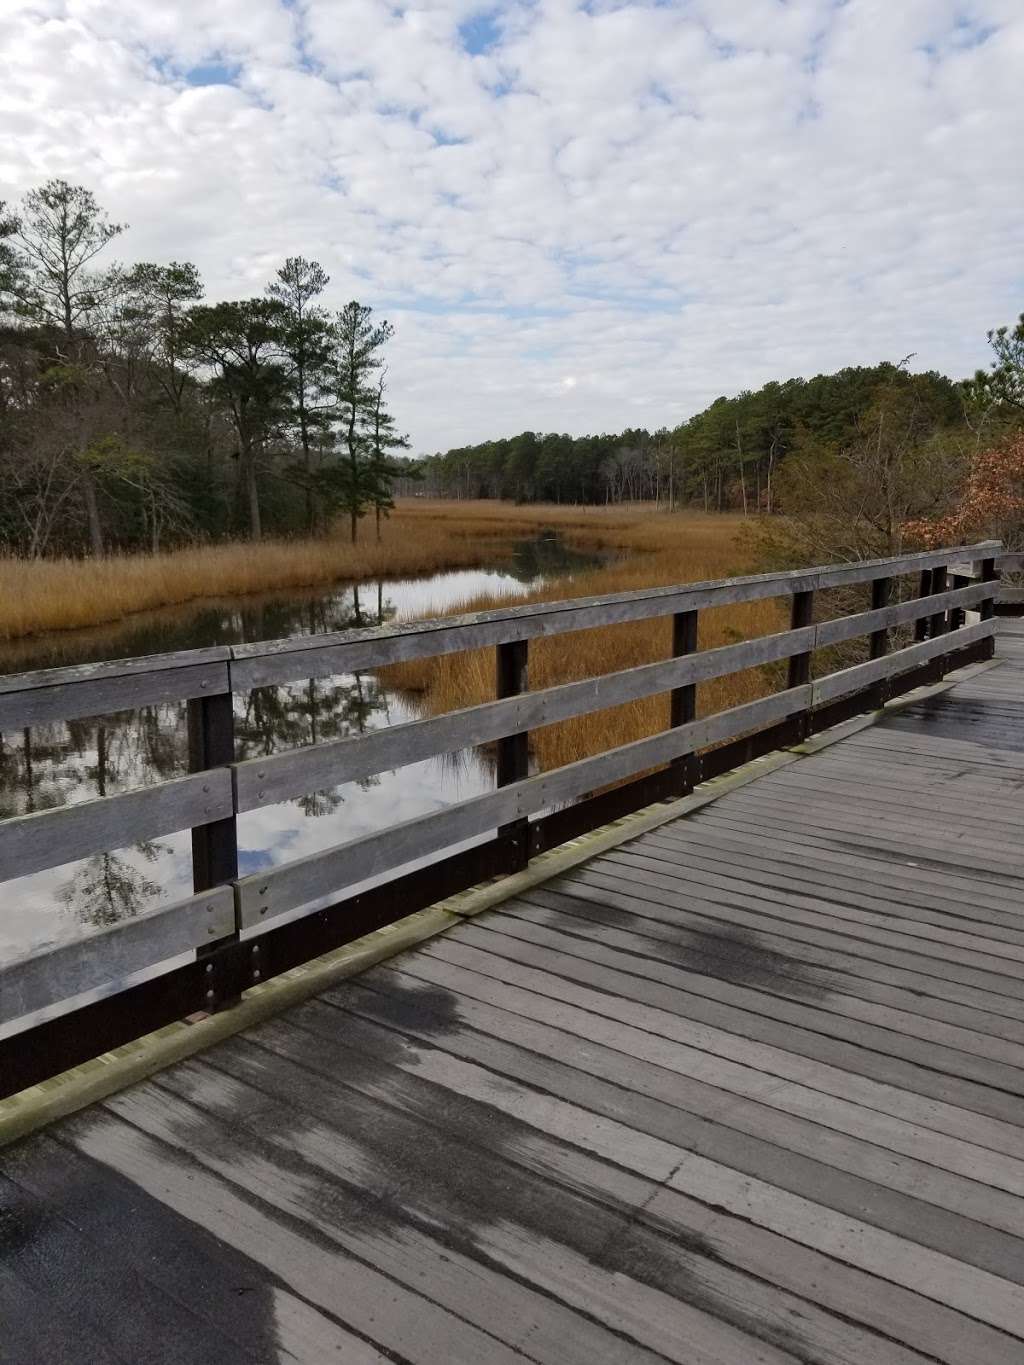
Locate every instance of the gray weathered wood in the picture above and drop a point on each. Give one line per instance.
(297, 657)
(273, 892)
(29, 843)
(56, 974)
(263, 781)
(899, 661)
(105, 689)
(901, 613)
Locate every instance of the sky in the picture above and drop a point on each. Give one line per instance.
(578, 216)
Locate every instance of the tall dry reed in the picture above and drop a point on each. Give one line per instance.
(681, 548)
(421, 537)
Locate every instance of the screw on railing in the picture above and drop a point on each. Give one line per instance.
(924, 590)
(684, 699)
(211, 744)
(514, 749)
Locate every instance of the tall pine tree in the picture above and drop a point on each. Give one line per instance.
(360, 342)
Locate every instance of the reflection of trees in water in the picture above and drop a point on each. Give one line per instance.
(54, 764)
(106, 888)
(294, 715)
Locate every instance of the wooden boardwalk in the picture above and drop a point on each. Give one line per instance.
(748, 1089)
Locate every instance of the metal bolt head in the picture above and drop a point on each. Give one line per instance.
(256, 973)
(211, 996)
(209, 969)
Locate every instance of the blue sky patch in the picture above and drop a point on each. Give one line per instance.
(480, 32)
(213, 72)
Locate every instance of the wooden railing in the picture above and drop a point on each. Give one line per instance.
(1010, 571)
(240, 930)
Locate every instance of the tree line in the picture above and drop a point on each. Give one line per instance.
(730, 455)
(133, 413)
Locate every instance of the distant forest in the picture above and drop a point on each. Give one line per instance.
(137, 415)
(730, 455)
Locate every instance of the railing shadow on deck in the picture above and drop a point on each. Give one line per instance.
(237, 931)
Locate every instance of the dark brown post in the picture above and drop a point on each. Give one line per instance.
(988, 575)
(938, 624)
(881, 592)
(684, 699)
(514, 750)
(957, 615)
(925, 590)
(801, 615)
(211, 744)
(987, 610)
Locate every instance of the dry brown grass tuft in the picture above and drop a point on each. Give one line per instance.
(421, 537)
(683, 548)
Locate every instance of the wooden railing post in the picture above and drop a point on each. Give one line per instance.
(957, 615)
(801, 615)
(938, 624)
(514, 750)
(211, 744)
(925, 590)
(881, 594)
(684, 699)
(799, 673)
(989, 574)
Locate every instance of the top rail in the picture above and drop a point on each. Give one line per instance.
(31, 698)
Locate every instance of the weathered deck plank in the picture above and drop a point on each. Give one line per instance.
(747, 1089)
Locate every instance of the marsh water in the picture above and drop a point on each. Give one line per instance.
(56, 764)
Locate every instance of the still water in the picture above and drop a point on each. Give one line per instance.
(60, 763)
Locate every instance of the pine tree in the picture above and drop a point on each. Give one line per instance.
(307, 343)
(383, 469)
(360, 341)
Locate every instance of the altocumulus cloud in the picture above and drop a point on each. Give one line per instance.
(579, 215)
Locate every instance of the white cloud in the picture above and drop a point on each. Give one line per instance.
(663, 202)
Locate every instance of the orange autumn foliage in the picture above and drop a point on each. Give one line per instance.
(990, 503)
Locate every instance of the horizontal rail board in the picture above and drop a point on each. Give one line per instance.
(274, 892)
(71, 674)
(263, 664)
(862, 675)
(262, 781)
(102, 695)
(29, 843)
(899, 614)
(52, 975)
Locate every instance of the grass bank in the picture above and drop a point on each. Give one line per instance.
(421, 537)
(673, 549)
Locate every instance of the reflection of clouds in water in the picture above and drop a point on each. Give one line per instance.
(69, 762)
(53, 905)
